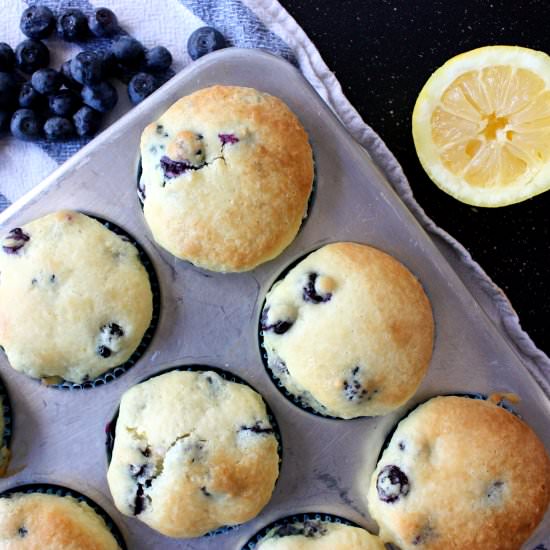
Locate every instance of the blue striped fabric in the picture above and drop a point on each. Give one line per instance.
(237, 22)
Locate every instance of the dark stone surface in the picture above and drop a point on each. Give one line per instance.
(382, 52)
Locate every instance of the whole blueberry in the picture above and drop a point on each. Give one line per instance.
(392, 484)
(109, 63)
(8, 91)
(64, 103)
(7, 58)
(158, 59)
(87, 68)
(37, 22)
(128, 51)
(141, 86)
(86, 121)
(103, 23)
(46, 81)
(5, 117)
(68, 80)
(102, 97)
(29, 98)
(31, 55)
(205, 40)
(25, 125)
(58, 128)
(72, 25)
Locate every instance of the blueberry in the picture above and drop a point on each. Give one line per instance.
(392, 484)
(353, 388)
(203, 41)
(279, 327)
(112, 330)
(102, 97)
(29, 98)
(72, 25)
(228, 138)
(139, 501)
(7, 58)
(31, 55)
(25, 125)
(128, 51)
(310, 294)
(5, 117)
(8, 91)
(103, 351)
(158, 59)
(109, 63)
(67, 76)
(37, 22)
(103, 23)
(15, 240)
(257, 428)
(58, 128)
(173, 168)
(46, 81)
(141, 86)
(86, 121)
(87, 68)
(64, 103)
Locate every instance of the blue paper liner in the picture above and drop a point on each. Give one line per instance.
(7, 412)
(59, 490)
(295, 519)
(119, 370)
(110, 428)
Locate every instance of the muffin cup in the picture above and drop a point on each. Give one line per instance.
(7, 412)
(110, 428)
(58, 490)
(304, 519)
(119, 370)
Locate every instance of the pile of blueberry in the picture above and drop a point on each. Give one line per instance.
(37, 101)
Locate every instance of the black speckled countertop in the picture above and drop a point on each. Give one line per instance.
(382, 52)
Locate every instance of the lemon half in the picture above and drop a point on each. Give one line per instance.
(481, 125)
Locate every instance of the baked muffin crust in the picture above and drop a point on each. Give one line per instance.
(75, 300)
(192, 453)
(460, 473)
(226, 175)
(349, 330)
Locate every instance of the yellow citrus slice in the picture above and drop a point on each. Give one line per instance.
(481, 125)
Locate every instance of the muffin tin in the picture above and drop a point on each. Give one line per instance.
(212, 319)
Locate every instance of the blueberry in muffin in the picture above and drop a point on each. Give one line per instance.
(227, 173)
(52, 522)
(460, 473)
(313, 534)
(192, 452)
(75, 300)
(348, 331)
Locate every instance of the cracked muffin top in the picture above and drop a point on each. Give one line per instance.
(192, 452)
(348, 331)
(49, 522)
(460, 473)
(319, 535)
(227, 173)
(75, 300)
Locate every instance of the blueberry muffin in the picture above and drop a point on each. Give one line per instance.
(460, 473)
(75, 300)
(319, 535)
(192, 452)
(227, 173)
(49, 522)
(4, 451)
(348, 331)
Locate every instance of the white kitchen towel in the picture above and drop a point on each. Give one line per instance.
(254, 24)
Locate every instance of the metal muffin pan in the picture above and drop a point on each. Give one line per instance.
(212, 319)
